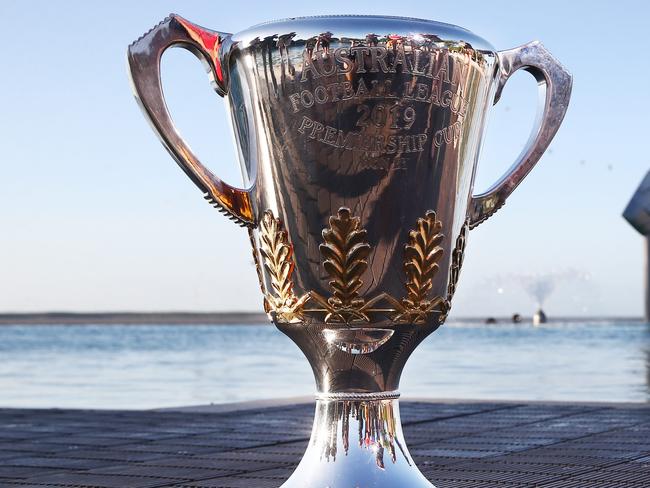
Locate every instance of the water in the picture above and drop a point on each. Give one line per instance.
(112, 366)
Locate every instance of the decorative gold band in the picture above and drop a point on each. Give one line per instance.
(345, 252)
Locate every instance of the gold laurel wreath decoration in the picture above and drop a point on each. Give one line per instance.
(277, 254)
(344, 252)
(258, 269)
(422, 255)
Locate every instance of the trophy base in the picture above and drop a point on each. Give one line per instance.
(357, 442)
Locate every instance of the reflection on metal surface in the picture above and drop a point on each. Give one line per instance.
(144, 67)
(375, 428)
(359, 441)
(357, 340)
(365, 127)
(555, 85)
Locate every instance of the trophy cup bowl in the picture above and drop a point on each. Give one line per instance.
(358, 138)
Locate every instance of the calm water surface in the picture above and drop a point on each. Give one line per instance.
(112, 366)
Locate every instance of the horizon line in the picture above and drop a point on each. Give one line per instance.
(224, 317)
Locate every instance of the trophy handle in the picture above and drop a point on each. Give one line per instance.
(144, 67)
(555, 90)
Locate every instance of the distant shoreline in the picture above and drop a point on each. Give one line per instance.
(134, 318)
(210, 318)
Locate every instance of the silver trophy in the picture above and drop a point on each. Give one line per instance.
(358, 138)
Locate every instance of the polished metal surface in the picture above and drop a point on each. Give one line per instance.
(363, 440)
(555, 85)
(358, 137)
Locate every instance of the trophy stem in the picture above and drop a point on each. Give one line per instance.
(357, 441)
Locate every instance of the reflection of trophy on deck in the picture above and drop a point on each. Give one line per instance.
(358, 138)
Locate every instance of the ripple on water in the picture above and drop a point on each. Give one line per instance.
(145, 366)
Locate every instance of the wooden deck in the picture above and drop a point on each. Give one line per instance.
(456, 445)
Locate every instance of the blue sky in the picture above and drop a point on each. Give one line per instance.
(96, 216)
